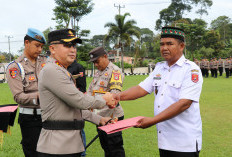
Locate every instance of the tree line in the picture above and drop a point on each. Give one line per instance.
(142, 43)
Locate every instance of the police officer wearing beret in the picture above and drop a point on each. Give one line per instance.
(63, 106)
(177, 84)
(108, 78)
(22, 76)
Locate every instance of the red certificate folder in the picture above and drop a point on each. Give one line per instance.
(120, 125)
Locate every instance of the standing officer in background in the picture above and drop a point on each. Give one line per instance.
(108, 78)
(211, 67)
(215, 67)
(22, 76)
(202, 66)
(63, 106)
(230, 59)
(78, 72)
(197, 62)
(220, 66)
(206, 68)
(177, 84)
(227, 67)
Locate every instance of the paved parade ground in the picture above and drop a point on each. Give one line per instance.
(216, 113)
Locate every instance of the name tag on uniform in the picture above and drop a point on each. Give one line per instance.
(157, 77)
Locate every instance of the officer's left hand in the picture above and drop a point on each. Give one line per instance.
(104, 120)
(144, 123)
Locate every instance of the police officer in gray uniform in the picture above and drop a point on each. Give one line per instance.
(108, 78)
(22, 76)
(220, 66)
(63, 106)
(227, 67)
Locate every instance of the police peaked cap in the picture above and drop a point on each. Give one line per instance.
(63, 35)
(96, 53)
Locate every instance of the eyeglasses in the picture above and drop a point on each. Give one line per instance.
(66, 44)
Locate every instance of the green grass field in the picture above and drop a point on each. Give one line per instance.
(216, 112)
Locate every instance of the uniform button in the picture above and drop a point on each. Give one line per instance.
(169, 70)
(165, 82)
(158, 106)
(161, 94)
(159, 131)
(155, 83)
(173, 84)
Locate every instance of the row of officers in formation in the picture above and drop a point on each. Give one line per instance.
(215, 66)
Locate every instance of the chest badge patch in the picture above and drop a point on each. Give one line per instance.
(31, 78)
(157, 77)
(195, 77)
(13, 72)
(106, 74)
(102, 83)
(42, 65)
(82, 74)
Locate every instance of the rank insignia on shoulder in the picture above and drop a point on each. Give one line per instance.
(157, 77)
(68, 74)
(31, 78)
(13, 72)
(58, 63)
(195, 77)
(106, 74)
(194, 70)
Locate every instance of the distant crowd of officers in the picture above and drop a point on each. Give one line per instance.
(215, 66)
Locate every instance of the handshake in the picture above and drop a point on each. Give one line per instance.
(111, 99)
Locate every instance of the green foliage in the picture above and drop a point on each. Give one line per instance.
(177, 9)
(70, 12)
(83, 51)
(126, 65)
(223, 26)
(205, 52)
(124, 30)
(212, 40)
(217, 136)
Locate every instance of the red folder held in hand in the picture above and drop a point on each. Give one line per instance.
(120, 125)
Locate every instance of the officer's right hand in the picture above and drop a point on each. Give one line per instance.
(110, 101)
(104, 120)
(116, 97)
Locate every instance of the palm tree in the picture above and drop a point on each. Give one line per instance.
(124, 30)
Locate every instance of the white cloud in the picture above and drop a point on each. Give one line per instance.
(17, 16)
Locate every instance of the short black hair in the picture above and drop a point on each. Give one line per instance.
(30, 39)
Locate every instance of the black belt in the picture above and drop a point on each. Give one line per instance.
(64, 125)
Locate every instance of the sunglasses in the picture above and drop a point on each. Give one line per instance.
(66, 44)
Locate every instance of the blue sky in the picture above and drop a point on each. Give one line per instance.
(17, 16)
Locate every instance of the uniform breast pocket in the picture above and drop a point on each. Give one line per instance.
(174, 89)
(156, 85)
(30, 81)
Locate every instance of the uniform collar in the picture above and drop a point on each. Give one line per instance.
(179, 62)
(108, 66)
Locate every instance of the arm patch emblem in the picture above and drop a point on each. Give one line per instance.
(13, 72)
(116, 80)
